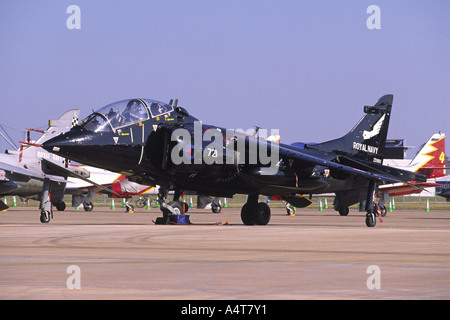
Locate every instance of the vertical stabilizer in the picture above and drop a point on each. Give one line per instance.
(368, 138)
(430, 160)
(56, 127)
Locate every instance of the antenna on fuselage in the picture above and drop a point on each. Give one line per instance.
(256, 131)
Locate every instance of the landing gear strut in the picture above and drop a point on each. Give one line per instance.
(371, 207)
(45, 205)
(255, 213)
(175, 207)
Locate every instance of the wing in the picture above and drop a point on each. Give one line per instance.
(302, 160)
(66, 172)
(370, 171)
(9, 172)
(22, 171)
(404, 189)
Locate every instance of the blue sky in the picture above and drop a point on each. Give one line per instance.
(306, 68)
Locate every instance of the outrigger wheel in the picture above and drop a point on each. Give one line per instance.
(45, 216)
(255, 213)
(371, 219)
(371, 207)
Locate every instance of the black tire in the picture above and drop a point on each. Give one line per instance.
(371, 220)
(247, 215)
(45, 216)
(88, 206)
(262, 214)
(344, 211)
(383, 211)
(215, 207)
(60, 206)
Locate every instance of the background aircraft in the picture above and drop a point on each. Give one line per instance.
(429, 161)
(25, 172)
(117, 184)
(139, 137)
(33, 173)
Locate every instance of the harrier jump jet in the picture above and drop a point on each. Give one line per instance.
(159, 143)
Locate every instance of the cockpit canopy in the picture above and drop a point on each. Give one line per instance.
(123, 113)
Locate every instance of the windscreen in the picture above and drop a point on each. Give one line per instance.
(116, 115)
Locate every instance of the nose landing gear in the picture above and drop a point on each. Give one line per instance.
(170, 209)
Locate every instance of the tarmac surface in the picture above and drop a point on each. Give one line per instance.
(313, 255)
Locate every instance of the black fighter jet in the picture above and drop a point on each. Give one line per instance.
(158, 143)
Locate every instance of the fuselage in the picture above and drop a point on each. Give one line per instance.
(156, 143)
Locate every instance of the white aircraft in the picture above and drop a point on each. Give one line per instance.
(33, 173)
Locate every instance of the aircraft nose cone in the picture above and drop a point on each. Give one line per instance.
(64, 145)
(55, 144)
(71, 145)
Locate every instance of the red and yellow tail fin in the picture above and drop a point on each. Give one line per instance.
(430, 160)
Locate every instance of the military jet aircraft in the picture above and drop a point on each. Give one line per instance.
(23, 171)
(161, 143)
(429, 161)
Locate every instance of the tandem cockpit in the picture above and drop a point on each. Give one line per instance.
(124, 113)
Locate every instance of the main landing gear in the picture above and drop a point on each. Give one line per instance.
(372, 209)
(171, 208)
(255, 213)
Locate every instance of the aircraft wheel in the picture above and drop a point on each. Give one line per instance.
(371, 220)
(383, 211)
(88, 206)
(344, 211)
(215, 207)
(262, 214)
(45, 216)
(129, 208)
(290, 210)
(247, 215)
(60, 206)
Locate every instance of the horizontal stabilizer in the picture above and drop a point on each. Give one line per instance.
(66, 172)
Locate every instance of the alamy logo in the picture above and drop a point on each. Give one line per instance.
(74, 280)
(373, 22)
(73, 21)
(219, 146)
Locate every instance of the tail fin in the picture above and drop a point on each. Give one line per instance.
(56, 127)
(430, 160)
(368, 138)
